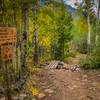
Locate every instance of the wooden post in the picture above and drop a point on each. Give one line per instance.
(6, 81)
(7, 35)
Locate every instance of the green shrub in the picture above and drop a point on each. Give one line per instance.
(91, 61)
(84, 62)
(71, 54)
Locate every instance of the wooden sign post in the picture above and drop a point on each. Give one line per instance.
(7, 35)
(6, 52)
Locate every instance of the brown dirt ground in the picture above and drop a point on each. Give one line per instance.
(68, 85)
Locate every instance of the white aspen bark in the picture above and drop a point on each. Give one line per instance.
(96, 38)
(89, 35)
(35, 37)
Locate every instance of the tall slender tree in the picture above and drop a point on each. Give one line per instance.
(35, 39)
(24, 36)
(97, 22)
(88, 11)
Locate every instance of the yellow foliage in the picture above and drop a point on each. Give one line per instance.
(59, 12)
(31, 38)
(31, 32)
(33, 69)
(34, 91)
(68, 59)
(81, 25)
(45, 26)
(45, 36)
(30, 60)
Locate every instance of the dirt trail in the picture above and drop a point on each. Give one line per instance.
(69, 85)
(64, 84)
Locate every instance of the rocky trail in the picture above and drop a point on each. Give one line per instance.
(70, 83)
(63, 81)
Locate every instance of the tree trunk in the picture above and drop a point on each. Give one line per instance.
(53, 5)
(3, 10)
(63, 51)
(19, 61)
(19, 51)
(28, 28)
(96, 38)
(24, 54)
(14, 49)
(97, 22)
(35, 38)
(7, 81)
(89, 35)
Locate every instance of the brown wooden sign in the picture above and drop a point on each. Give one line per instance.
(8, 35)
(6, 52)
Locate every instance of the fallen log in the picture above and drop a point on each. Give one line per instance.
(18, 86)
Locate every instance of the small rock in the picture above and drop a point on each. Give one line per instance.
(41, 96)
(52, 72)
(70, 88)
(61, 63)
(76, 68)
(98, 75)
(2, 98)
(94, 83)
(33, 99)
(74, 86)
(49, 91)
(84, 76)
(90, 97)
(63, 81)
(81, 97)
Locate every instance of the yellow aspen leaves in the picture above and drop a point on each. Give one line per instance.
(34, 91)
